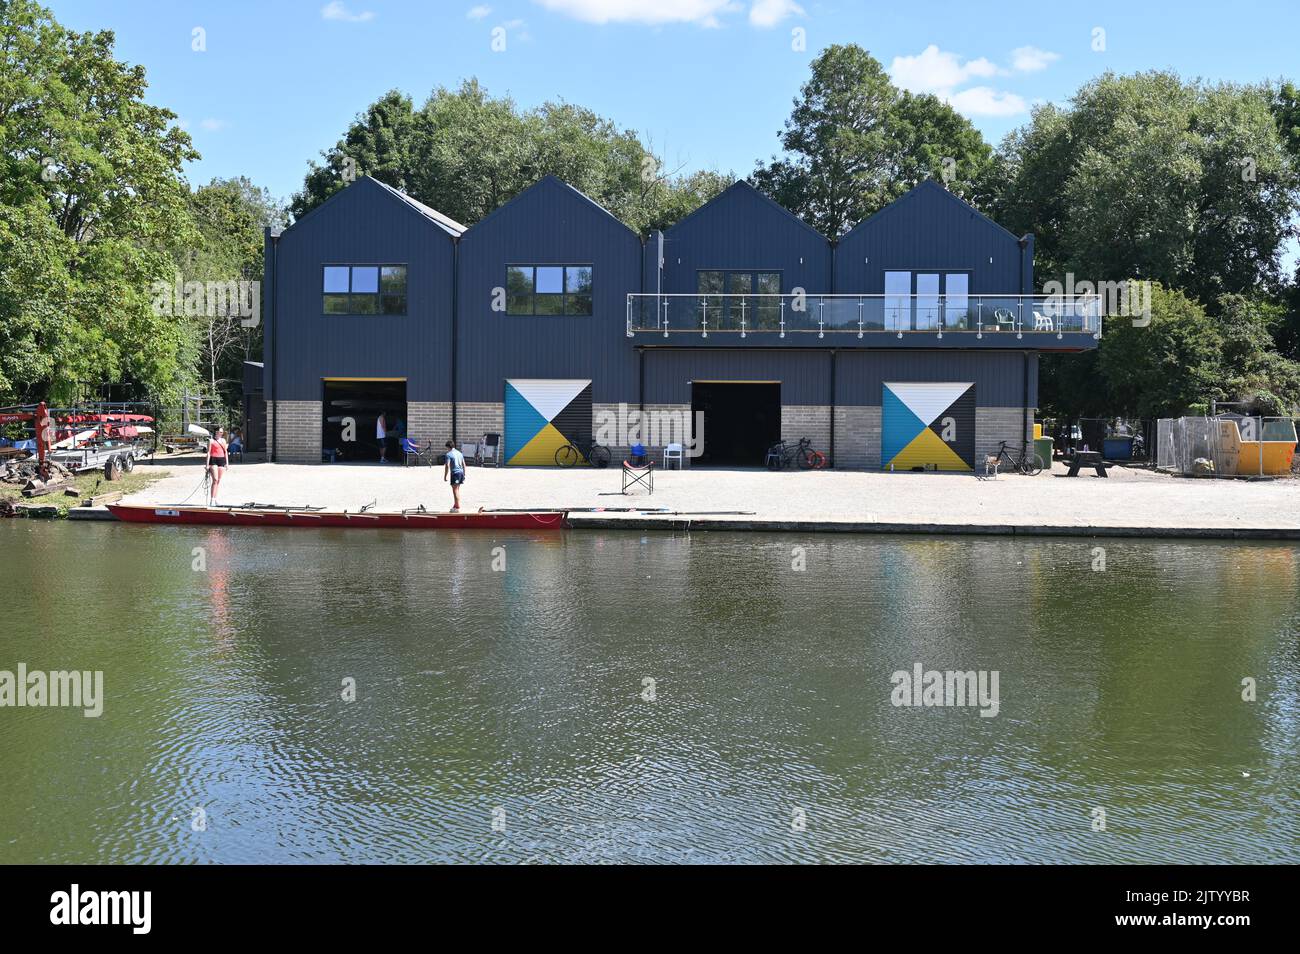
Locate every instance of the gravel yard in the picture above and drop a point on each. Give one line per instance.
(1128, 498)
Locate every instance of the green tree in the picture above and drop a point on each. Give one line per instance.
(1162, 368)
(381, 143)
(1186, 357)
(466, 153)
(1285, 102)
(91, 203)
(1150, 176)
(1256, 376)
(854, 142)
(230, 216)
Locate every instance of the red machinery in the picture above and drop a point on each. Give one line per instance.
(42, 424)
(92, 436)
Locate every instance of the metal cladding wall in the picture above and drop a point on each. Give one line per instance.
(998, 376)
(929, 228)
(805, 375)
(364, 224)
(742, 228)
(548, 223)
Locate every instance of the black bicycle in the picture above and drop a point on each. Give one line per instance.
(572, 454)
(784, 453)
(1026, 462)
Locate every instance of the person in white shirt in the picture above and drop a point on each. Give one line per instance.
(381, 435)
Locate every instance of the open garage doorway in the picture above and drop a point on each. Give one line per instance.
(350, 410)
(742, 419)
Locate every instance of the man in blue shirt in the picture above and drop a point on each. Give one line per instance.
(454, 470)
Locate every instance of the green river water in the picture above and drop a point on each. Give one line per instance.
(589, 697)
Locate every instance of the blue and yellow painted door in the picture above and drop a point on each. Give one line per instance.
(543, 415)
(928, 424)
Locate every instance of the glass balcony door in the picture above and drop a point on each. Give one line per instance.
(927, 301)
(956, 305)
(728, 295)
(740, 286)
(898, 301)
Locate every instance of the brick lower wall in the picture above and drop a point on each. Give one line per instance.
(812, 421)
(617, 426)
(857, 428)
(857, 433)
(296, 426)
(429, 421)
(476, 418)
(857, 437)
(995, 424)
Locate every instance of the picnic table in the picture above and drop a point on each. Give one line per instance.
(1091, 459)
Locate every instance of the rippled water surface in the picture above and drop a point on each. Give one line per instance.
(518, 698)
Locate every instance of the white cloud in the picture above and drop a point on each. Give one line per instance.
(768, 13)
(513, 24)
(936, 71)
(213, 125)
(653, 12)
(478, 13)
(335, 10)
(1030, 59)
(986, 101)
(946, 75)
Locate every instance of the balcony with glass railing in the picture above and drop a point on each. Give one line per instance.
(869, 319)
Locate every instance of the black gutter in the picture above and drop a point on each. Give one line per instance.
(834, 355)
(1022, 242)
(1025, 431)
(455, 321)
(269, 267)
(640, 376)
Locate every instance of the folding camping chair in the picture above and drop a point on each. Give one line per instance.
(488, 451)
(643, 477)
(414, 453)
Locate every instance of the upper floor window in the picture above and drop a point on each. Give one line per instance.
(365, 290)
(737, 285)
(738, 282)
(548, 290)
(918, 301)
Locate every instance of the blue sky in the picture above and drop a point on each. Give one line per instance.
(710, 81)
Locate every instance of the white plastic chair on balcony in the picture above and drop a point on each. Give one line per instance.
(673, 452)
(1042, 322)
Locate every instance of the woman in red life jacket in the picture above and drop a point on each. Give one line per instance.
(217, 457)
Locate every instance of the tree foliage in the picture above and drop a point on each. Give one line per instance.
(466, 153)
(1151, 176)
(91, 204)
(853, 143)
(230, 217)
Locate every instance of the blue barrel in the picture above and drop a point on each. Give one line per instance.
(1117, 448)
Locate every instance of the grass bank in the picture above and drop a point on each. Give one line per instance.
(86, 485)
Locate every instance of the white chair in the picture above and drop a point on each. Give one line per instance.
(1042, 322)
(673, 452)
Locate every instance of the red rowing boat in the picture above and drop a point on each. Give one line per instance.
(308, 517)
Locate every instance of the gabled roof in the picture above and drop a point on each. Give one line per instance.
(919, 189)
(448, 225)
(552, 181)
(742, 185)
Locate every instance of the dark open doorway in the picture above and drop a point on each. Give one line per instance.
(350, 413)
(741, 421)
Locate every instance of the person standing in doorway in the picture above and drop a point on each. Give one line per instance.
(454, 470)
(381, 435)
